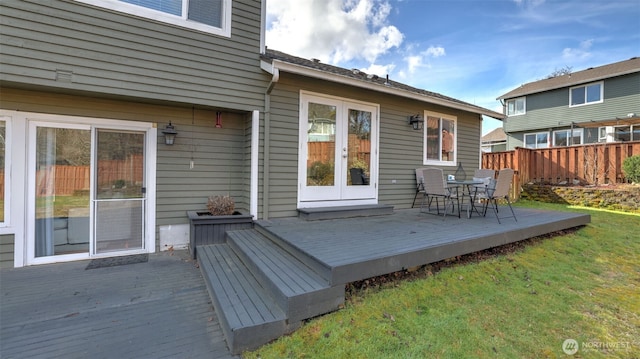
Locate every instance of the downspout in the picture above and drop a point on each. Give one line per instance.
(255, 153)
(267, 142)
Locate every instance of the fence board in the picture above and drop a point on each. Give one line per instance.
(591, 164)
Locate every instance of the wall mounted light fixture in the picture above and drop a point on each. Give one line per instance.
(169, 134)
(416, 122)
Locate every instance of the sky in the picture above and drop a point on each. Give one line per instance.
(472, 50)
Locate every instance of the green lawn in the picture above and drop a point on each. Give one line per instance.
(523, 302)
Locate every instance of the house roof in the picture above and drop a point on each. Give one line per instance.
(274, 61)
(576, 78)
(497, 135)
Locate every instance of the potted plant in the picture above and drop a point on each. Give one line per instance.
(210, 226)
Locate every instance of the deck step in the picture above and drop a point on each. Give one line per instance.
(322, 269)
(315, 214)
(297, 288)
(249, 316)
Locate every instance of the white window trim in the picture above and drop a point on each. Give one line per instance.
(571, 133)
(524, 138)
(524, 106)
(182, 21)
(427, 161)
(585, 95)
(4, 224)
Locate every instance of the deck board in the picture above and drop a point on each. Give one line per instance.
(358, 248)
(158, 309)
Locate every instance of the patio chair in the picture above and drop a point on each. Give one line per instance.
(419, 185)
(486, 176)
(435, 188)
(498, 192)
(358, 178)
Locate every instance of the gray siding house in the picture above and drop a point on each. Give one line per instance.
(89, 88)
(599, 104)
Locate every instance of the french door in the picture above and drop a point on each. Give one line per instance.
(86, 191)
(338, 151)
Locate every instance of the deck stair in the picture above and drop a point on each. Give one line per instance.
(315, 214)
(260, 290)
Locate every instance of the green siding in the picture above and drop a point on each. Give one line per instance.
(112, 53)
(400, 147)
(550, 110)
(6, 250)
(219, 154)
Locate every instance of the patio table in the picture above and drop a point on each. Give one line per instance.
(469, 190)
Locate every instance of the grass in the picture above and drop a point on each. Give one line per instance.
(523, 303)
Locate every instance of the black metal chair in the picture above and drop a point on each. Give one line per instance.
(358, 178)
(499, 192)
(435, 188)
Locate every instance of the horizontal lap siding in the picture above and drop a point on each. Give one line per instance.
(114, 53)
(551, 109)
(219, 154)
(6, 250)
(400, 149)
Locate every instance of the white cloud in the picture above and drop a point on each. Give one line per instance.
(380, 70)
(333, 31)
(415, 62)
(579, 53)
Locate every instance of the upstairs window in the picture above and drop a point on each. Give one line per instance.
(213, 16)
(516, 106)
(586, 94)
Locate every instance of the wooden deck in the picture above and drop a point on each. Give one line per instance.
(265, 281)
(157, 309)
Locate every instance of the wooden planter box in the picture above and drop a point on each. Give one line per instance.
(207, 229)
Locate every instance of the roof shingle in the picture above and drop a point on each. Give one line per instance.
(576, 78)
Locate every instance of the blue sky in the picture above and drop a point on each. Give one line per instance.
(473, 50)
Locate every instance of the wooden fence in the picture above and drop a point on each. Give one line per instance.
(66, 180)
(325, 151)
(592, 164)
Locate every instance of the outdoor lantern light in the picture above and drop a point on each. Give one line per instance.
(169, 134)
(416, 121)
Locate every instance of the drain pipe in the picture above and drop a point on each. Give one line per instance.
(266, 182)
(255, 153)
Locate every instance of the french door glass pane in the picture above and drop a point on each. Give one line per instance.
(359, 147)
(63, 159)
(119, 203)
(321, 145)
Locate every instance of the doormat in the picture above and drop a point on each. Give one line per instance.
(117, 261)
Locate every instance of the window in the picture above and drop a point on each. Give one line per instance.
(536, 140)
(516, 106)
(213, 16)
(567, 137)
(440, 139)
(619, 133)
(4, 170)
(586, 94)
(602, 134)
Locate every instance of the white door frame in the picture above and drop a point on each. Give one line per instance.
(339, 194)
(37, 119)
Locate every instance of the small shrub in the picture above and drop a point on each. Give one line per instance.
(631, 168)
(320, 174)
(220, 205)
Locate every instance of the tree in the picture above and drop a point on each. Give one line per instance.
(560, 72)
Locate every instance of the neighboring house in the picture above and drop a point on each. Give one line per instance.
(89, 88)
(599, 104)
(494, 141)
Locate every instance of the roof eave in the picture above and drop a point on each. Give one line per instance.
(306, 71)
(514, 93)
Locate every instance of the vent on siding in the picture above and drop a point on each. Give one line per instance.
(64, 76)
